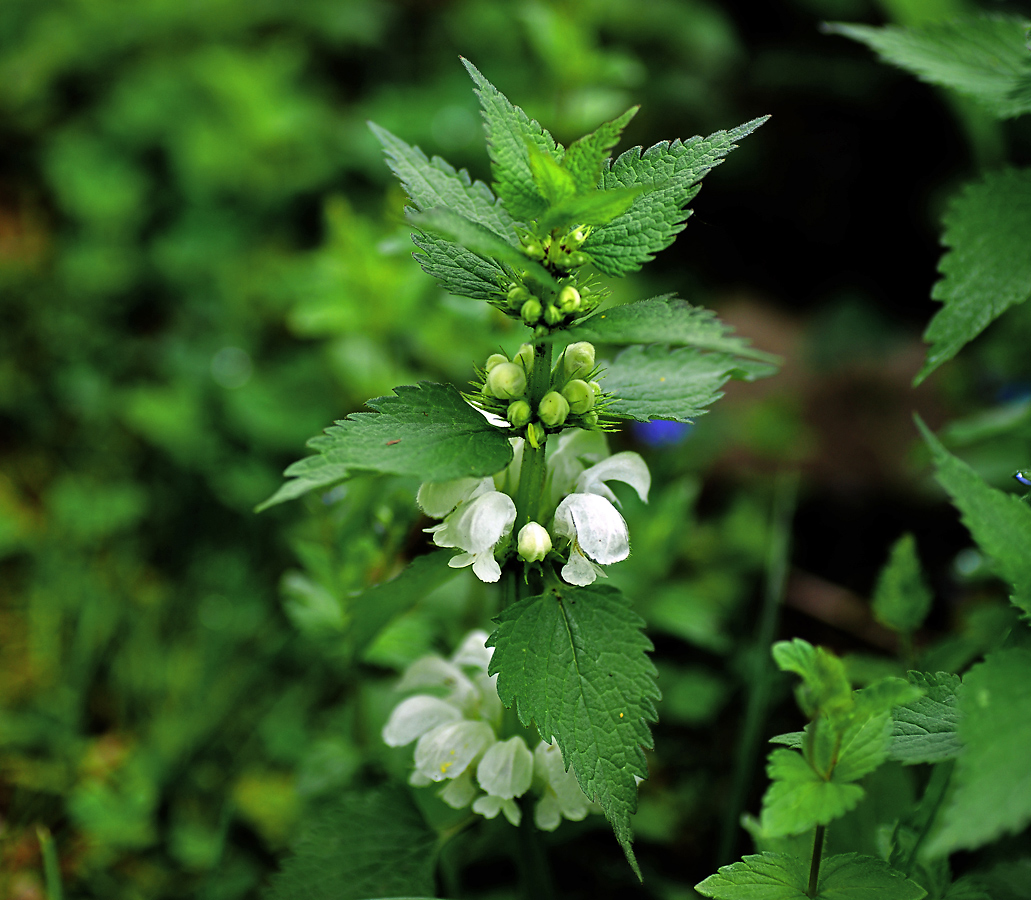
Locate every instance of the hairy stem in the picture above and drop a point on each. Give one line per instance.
(532, 471)
(784, 498)
(814, 868)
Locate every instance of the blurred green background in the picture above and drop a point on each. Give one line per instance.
(203, 263)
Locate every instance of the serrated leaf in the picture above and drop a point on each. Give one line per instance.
(457, 270)
(431, 183)
(902, 599)
(509, 131)
(793, 739)
(427, 431)
(992, 778)
(864, 746)
(585, 158)
(574, 662)
(999, 522)
(371, 611)
(763, 876)
(800, 798)
(672, 172)
(987, 268)
(983, 57)
(665, 320)
(925, 729)
(595, 208)
(849, 876)
(553, 182)
(450, 225)
(658, 383)
(368, 844)
(825, 686)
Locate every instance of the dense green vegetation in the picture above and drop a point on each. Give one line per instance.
(204, 261)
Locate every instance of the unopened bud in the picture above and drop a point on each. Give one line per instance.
(531, 311)
(495, 359)
(553, 315)
(519, 413)
(534, 542)
(553, 409)
(507, 381)
(536, 435)
(568, 299)
(578, 360)
(577, 259)
(518, 296)
(596, 388)
(533, 249)
(524, 357)
(590, 419)
(579, 395)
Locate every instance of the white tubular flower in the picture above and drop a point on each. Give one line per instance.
(566, 463)
(415, 716)
(562, 797)
(446, 752)
(438, 498)
(506, 769)
(597, 534)
(476, 527)
(627, 467)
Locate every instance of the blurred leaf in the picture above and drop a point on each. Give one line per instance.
(902, 598)
(925, 729)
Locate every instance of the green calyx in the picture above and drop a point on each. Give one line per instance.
(507, 381)
(553, 409)
(579, 395)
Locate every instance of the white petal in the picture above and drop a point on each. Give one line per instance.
(477, 525)
(413, 717)
(446, 751)
(486, 568)
(435, 671)
(473, 650)
(487, 806)
(512, 812)
(506, 769)
(547, 815)
(597, 526)
(417, 779)
(579, 570)
(459, 792)
(490, 703)
(570, 800)
(438, 498)
(627, 467)
(573, 449)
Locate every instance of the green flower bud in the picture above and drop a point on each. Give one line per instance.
(518, 296)
(568, 299)
(596, 388)
(531, 311)
(507, 381)
(495, 359)
(553, 409)
(536, 435)
(553, 315)
(578, 360)
(534, 542)
(590, 419)
(519, 413)
(579, 395)
(533, 249)
(524, 356)
(577, 259)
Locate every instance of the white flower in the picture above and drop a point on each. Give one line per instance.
(597, 534)
(438, 498)
(627, 467)
(477, 526)
(446, 751)
(488, 807)
(506, 769)
(562, 796)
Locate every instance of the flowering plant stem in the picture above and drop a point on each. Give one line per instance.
(814, 868)
(532, 471)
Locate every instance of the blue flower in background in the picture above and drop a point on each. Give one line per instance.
(660, 433)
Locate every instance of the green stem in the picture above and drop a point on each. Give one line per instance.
(51, 864)
(935, 792)
(784, 497)
(532, 471)
(814, 868)
(533, 863)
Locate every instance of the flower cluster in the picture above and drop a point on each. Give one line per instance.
(455, 721)
(587, 530)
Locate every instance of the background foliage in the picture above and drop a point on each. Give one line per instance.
(203, 262)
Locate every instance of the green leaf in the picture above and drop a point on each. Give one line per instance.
(509, 132)
(595, 208)
(553, 182)
(765, 876)
(657, 383)
(672, 172)
(825, 687)
(431, 183)
(925, 729)
(983, 57)
(800, 798)
(988, 268)
(999, 522)
(457, 270)
(374, 609)
(902, 599)
(585, 158)
(849, 876)
(368, 844)
(427, 431)
(992, 778)
(665, 320)
(864, 746)
(450, 225)
(574, 661)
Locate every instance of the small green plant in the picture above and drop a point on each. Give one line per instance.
(517, 467)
